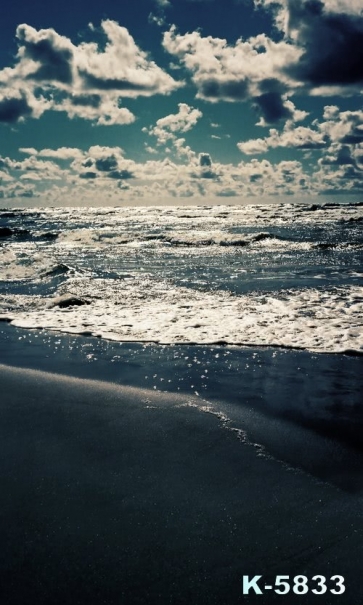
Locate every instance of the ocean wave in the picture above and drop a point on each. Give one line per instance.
(200, 217)
(338, 245)
(16, 265)
(143, 311)
(99, 238)
(217, 239)
(55, 270)
(190, 275)
(13, 232)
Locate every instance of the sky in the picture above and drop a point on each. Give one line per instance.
(125, 102)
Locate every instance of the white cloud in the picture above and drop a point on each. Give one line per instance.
(229, 72)
(18, 190)
(167, 128)
(151, 150)
(122, 67)
(47, 170)
(156, 19)
(321, 52)
(338, 129)
(248, 70)
(84, 81)
(62, 153)
(297, 137)
(342, 126)
(18, 103)
(184, 120)
(106, 113)
(28, 150)
(330, 35)
(103, 172)
(5, 177)
(253, 146)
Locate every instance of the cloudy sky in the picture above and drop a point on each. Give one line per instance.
(119, 102)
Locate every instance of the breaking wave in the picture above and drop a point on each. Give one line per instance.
(278, 275)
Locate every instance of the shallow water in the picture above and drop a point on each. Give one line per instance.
(302, 408)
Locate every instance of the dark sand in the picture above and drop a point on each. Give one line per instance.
(114, 495)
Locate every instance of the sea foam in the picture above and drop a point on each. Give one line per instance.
(279, 275)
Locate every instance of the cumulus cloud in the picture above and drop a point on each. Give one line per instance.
(13, 107)
(320, 51)
(103, 172)
(253, 146)
(18, 190)
(342, 126)
(133, 75)
(44, 55)
(341, 166)
(158, 20)
(205, 159)
(247, 70)
(266, 178)
(47, 169)
(17, 104)
(340, 156)
(88, 174)
(101, 162)
(296, 137)
(106, 112)
(20, 178)
(166, 127)
(205, 168)
(330, 34)
(5, 177)
(95, 175)
(272, 107)
(86, 80)
(62, 153)
(338, 138)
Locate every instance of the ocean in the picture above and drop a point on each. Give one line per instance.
(240, 329)
(256, 306)
(279, 275)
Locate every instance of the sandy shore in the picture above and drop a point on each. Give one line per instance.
(121, 495)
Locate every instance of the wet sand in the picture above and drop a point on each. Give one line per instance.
(112, 495)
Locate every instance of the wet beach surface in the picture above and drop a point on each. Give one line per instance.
(116, 494)
(308, 394)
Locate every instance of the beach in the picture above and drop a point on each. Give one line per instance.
(181, 405)
(120, 494)
(181, 302)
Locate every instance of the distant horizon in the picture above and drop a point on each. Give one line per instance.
(29, 203)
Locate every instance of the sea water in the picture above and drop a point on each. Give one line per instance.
(256, 312)
(279, 275)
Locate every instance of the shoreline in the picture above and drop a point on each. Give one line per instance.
(214, 343)
(302, 409)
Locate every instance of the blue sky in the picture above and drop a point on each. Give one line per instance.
(180, 100)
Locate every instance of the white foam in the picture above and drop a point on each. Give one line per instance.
(140, 310)
(16, 264)
(144, 308)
